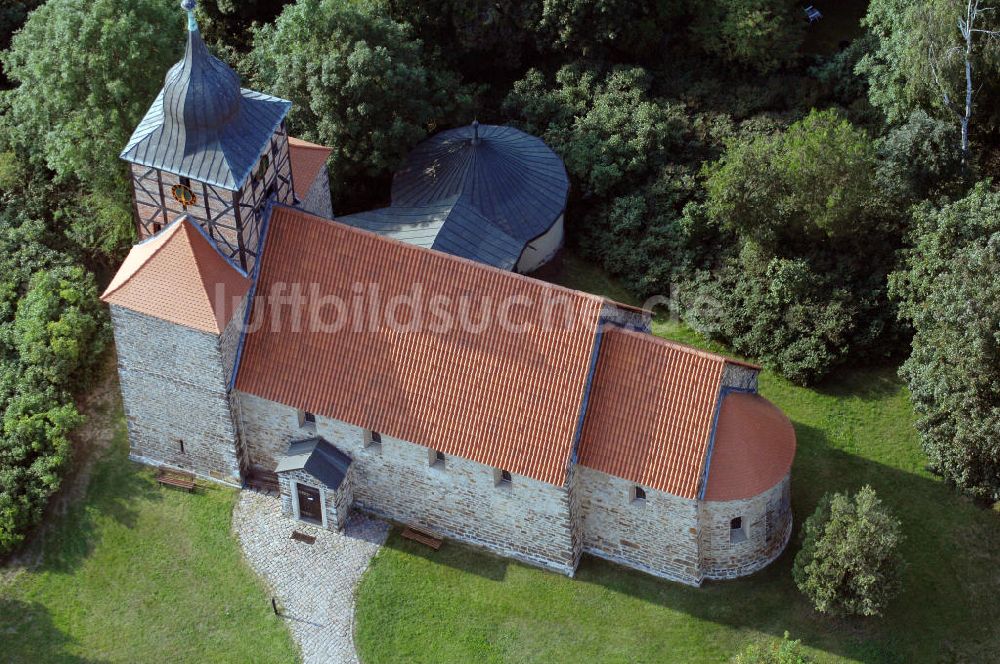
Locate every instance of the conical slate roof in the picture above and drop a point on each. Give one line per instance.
(203, 125)
(450, 226)
(509, 177)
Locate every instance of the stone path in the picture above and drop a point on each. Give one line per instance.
(313, 583)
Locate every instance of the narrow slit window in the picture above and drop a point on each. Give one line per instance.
(180, 445)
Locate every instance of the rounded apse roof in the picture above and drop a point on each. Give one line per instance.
(754, 448)
(512, 178)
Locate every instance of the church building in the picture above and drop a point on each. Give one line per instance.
(401, 365)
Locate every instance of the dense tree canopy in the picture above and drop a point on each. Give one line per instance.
(359, 82)
(950, 292)
(849, 562)
(86, 71)
(762, 34)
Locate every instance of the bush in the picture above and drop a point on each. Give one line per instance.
(849, 563)
(784, 652)
(52, 330)
(761, 34)
(358, 81)
(950, 293)
(811, 241)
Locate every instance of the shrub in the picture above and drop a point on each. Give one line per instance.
(849, 563)
(950, 293)
(785, 651)
(762, 34)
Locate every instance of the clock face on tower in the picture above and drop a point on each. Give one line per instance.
(183, 194)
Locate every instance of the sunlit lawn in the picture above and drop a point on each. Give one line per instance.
(460, 605)
(140, 573)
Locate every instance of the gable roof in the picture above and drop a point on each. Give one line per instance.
(179, 276)
(507, 398)
(307, 161)
(754, 448)
(318, 458)
(513, 179)
(650, 411)
(202, 125)
(450, 226)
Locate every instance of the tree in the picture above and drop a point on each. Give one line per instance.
(813, 182)
(599, 28)
(785, 651)
(359, 82)
(919, 158)
(760, 34)
(950, 293)
(975, 15)
(849, 562)
(921, 61)
(86, 71)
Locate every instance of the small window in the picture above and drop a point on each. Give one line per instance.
(638, 493)
(307, 420)
(373, 438)
(157, 227)
(180, 444)
(437, 459)
(736, 532)
(502, 478)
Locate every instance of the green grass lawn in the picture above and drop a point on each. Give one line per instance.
(139, 573)
(461, 605)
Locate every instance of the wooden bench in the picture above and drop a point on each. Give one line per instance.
(423, 537)
(176, 479)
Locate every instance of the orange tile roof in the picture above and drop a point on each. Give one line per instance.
(754, 448)
(650, 411)
(179, 276)
(307, 160)
(505, 398)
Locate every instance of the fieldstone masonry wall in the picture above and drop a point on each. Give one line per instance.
(174, 390)
(527, 520)
(318, 200)
(658, 535)
(767, 525)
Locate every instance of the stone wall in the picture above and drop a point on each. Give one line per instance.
(460, 499)
(740, 377)
(174, 391)
(658, 535)
(767, 526)
(317, 200)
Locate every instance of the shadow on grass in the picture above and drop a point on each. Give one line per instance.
(27, 635)
(481, 563)
(946, 612)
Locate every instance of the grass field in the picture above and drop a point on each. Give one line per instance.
(138, 573)
(461, 605)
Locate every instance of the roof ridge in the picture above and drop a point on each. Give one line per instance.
(686, 348)
(442, 255)
(164, 237)
(202, 278)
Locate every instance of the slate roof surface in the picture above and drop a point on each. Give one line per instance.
(317, 457)
(202, 125)
(754, 448)
(650, 411)
(307, 160)
(179, 276)
(511, 178)
(506, 398)
(450, 226)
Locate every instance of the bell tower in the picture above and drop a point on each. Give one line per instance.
(211, 150)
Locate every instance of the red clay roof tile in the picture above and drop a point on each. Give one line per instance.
(307, 160)
(650, 411)
(179, 276)
(754, 448)
(504, 398)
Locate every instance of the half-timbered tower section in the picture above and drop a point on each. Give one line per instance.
(212, 151)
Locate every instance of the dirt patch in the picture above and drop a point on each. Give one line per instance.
(99, 406)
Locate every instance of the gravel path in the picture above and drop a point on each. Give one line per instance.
(313, 583)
